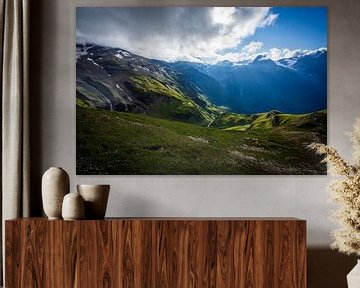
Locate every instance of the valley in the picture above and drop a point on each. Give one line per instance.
(148, 117)
(114, 143)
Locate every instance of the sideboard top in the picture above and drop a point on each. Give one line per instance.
(174, 219)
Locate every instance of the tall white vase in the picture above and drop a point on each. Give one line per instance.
(55, 185)
(353, 278)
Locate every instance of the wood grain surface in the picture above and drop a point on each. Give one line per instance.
(157, 253)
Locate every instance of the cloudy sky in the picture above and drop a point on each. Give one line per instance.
(205, 34)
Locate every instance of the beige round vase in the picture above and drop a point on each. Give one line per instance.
(73, 207)
(96, 198)
(55, 185)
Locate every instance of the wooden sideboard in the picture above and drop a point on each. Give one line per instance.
(156, 252)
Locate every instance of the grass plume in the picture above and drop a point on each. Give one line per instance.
(345, 192)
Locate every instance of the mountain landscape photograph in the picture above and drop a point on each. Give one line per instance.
(200, 90)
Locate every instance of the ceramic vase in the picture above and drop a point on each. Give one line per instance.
(73, 207)
(55, 185)
(96, 198)
(353, 278)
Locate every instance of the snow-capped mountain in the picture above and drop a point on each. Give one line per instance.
(293, 85)
(116, 79)
(292, 61)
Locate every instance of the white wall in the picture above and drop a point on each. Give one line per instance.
(53, 127)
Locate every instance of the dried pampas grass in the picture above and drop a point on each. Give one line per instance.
(345, 191)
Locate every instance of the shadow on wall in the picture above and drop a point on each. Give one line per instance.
(35, 86)
(328, 268)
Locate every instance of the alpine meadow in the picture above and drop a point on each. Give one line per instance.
(200, 91)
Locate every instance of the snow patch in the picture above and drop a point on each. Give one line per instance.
(290, 62)
(81, 51)
(92, 61)
(121, 54)
(313, 52)
(110, 104)
(287, 65)
(145, 69)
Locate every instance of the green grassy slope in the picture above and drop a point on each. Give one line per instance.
(166, 100)
(126, 143)
(227, 120)
(240, 122)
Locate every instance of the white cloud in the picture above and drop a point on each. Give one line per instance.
(223, 15)
(251, 51)
(172, 34)
(277, 54)
(253, 47)
(247, 53)
(269, 20)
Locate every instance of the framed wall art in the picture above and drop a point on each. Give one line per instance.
(200, 90)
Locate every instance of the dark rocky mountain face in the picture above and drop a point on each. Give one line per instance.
(115, 79)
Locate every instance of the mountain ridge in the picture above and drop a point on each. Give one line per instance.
(116, 79)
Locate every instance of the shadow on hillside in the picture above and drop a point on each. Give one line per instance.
(328, 268)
